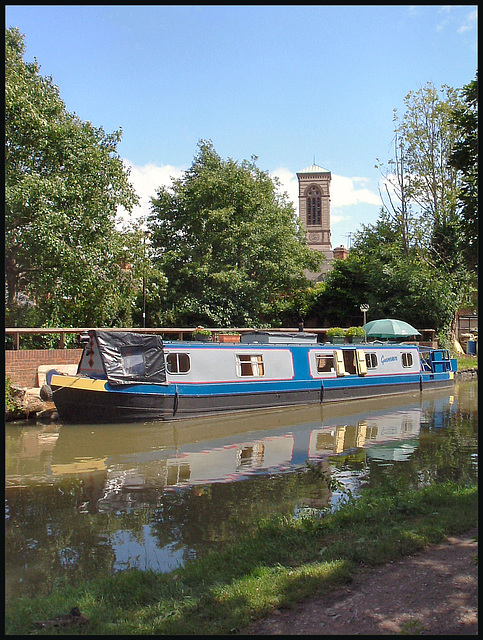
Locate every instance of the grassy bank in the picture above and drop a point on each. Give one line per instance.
(467, 362)
(284, 561)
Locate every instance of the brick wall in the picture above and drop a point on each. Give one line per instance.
(21, 366)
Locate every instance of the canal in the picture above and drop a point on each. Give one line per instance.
(89, 500)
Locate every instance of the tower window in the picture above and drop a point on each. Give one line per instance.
(314, 207)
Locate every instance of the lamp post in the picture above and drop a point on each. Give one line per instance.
(364, 308)
(144, 301)
(146, 235)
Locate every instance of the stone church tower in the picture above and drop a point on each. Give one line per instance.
(314, 211)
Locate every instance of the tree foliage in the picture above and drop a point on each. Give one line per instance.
(409, 265)
(393, 285)
(464, 158)
(64, 183)
(397, 209)
(227, 242)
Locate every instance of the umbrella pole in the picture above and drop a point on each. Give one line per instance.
(364, 308)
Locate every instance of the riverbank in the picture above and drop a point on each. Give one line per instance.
(432, 592)
(286, 560)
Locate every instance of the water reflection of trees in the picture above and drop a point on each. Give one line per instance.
(63, 532)
(447, 447)
(48, 540)
(56, 533)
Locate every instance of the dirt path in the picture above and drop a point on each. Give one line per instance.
(433, 592)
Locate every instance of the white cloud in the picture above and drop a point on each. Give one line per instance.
(349, 196)
(146, 179)
(344, 191)
(289, 184)
(470, 22)
(450, 19)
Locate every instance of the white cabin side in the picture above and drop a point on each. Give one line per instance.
(331, 363)
(226, 364)
(188, 363)
(391, 361)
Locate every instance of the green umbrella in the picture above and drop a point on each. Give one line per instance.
(389, 328)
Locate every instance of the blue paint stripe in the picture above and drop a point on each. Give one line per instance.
(230, 388)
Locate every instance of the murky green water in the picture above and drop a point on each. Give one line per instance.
(86, 500)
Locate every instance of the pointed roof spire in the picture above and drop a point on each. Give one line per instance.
(315, 168)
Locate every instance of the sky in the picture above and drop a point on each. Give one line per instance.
(292, 85)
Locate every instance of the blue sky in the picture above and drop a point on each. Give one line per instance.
(288, 84)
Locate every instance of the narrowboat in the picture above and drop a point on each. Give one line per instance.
(127, 376)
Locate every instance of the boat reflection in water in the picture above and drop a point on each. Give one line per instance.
(92, 499)
(220, 449)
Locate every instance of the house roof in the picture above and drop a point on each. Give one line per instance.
(314, 168)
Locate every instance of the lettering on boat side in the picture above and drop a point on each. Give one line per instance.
(390, 359)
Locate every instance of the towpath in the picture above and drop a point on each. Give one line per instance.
(434, 592)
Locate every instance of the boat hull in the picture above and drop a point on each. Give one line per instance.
(83, 405)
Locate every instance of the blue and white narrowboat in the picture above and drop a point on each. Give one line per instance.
(128, 376)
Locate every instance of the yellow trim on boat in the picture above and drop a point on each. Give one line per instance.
(79, 466)
(451, 375)
(75, 382)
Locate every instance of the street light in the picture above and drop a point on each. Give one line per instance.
(364, 308)
(146, 235)
(144, 301)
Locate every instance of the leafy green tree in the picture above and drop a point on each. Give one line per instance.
(464, 158)
(294, 308)
(395, 195)
(428, 136)
(413, 257)
(64, 184)
(227, 242)
(394, 286)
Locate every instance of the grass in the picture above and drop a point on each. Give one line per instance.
(467, 362)
(412, 628)
(285, 560)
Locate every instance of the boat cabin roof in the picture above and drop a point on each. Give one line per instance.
(267, 337)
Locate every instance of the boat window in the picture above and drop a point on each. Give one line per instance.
(425, 362)
(178, 363)
(371, 360)
(133, 361)
(324, 362)
(407, 359)
(248, 365)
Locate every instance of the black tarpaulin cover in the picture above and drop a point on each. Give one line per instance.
(131, 357)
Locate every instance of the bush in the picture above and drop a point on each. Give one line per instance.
(10, 404)
(336, 331)
(355, 332)
(201, 331)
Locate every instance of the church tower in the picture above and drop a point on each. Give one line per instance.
(314, 211)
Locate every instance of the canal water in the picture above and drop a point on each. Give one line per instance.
(89, 500)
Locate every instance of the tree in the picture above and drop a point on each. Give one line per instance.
(396, 199)
(464, 158)
(64, 183)
(228, 243)
(378, 273)
(428, 135)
